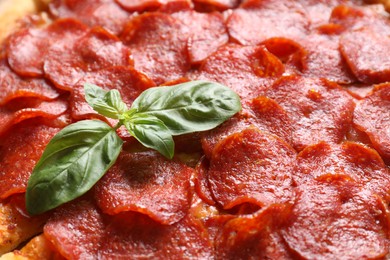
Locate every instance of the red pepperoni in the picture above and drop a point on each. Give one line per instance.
(27, 49)
(255, 235)
(80, 230)
(362, 50)
(146, 183)
(14, 86)
(319, 11)
(158, 45)
(265, 19)
(201, 182)
(325, 61)
(96, 50)
(213, 5)
(372, 117)
(104, 13)
(247, 70)
(320, 110)
(206, 31)
(49, 110)
(149, 5)
(361, 164)
(262, 112)
(251, 167)
(357, 17)
(333, 219)
(20, 150)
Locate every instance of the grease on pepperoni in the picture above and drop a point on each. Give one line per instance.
(146, 183)
(320, 110)
(251, 167)
(335, 219)
(372, 117)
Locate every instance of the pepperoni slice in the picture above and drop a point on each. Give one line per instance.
(328, 215)
(207, 32)
(146, 183)
(360, 49)
(80, 230)
(96, 50)
(247, 70)
(20, 150)
(202, 187)
(213, 5)
(325, 61)
(265, 19)
(149, 5)
(14, 86)
(319, 11)
(27, 49)
(129, 82)
(49, 110)
(251, 166)
(104, 13)
(320, 110)
(255, 235)
(262, 112)
(361, 164)
(372, 117)
(158, 45)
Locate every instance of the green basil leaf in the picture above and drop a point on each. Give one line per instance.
(106, 103)
(189, 107)
(152, 133)
(73, 161)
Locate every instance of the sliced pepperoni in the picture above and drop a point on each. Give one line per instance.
(247, 70)
(202, 187)
(320, 110)
(251, 167)
(27, 49)
(358, 17)
(319, 11)
(49, 110)
(325, 61)
(372, 117)
(363, 165)
(80, 230)
(158, 45)
(265, 19)
(207, 32)
(96, 50)
(262, 112)
(255, 235)
(14, 86)
(153, 5)
(146, 183)
(20, 150)
(104, 13)
(331, 217)
(214, 5)
(129, 82)
(361, 49)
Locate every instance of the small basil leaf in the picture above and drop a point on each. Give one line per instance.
(106, 103)
(189, 107)
(73, 161)
(152, 133)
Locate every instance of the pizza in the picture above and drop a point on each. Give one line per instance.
(300, 172)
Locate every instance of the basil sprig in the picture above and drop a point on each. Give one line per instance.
(81, 153)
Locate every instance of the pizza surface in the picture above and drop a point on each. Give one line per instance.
(301, 172)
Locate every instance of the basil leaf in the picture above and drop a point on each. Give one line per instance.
(152, 133)
(106, 103)
(189, 107)
(73, 161)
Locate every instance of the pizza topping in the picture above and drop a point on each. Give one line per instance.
(146, 183)
(328, 214)
(251, 166)
(320, 110)
(294, 25)
(372, 117)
